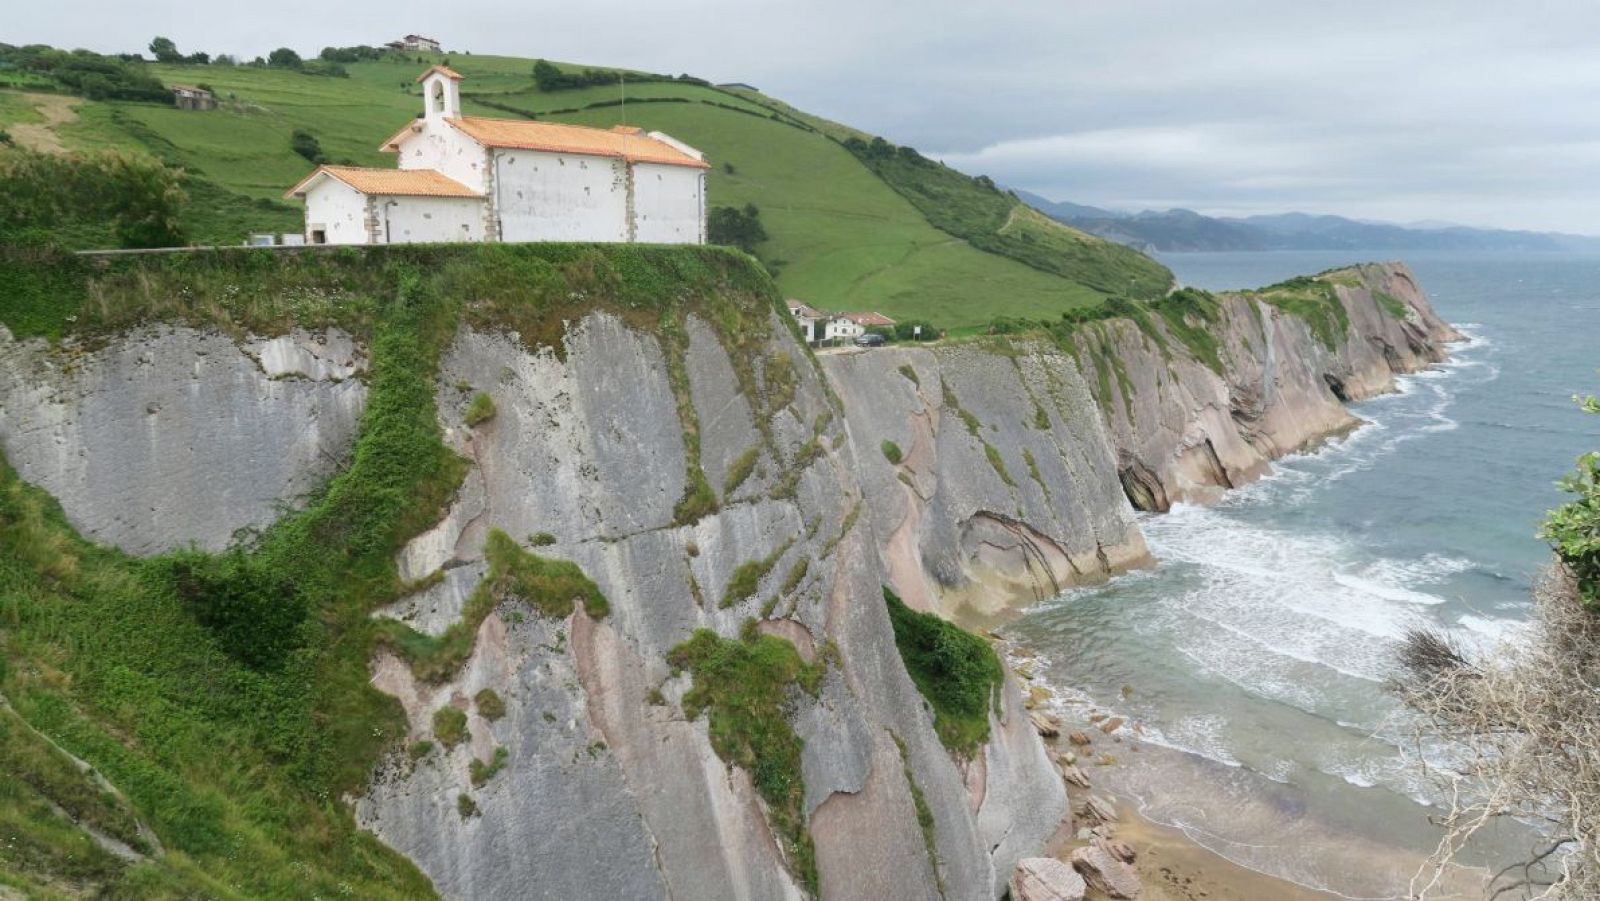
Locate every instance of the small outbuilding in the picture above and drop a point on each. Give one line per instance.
(188, 96)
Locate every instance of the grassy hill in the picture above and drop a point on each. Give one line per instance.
(846, 231)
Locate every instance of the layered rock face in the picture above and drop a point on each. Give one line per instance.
(608, 790)
(986, 472)
(996, 474)
(1182, 431)
(169, 436)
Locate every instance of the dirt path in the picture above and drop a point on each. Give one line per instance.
(57, 110)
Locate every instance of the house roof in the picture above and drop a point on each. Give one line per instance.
(800, 310)
(516, 134)
(446, 71)
(391, 182)
(868, 319)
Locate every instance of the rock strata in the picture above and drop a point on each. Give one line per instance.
(1046, 879)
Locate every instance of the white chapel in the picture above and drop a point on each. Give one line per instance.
(467, 178)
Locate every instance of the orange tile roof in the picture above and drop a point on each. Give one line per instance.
(868, 319)
(559, 138)
(446, 70)
(392, 182)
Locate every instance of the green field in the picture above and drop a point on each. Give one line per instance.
(842, 235)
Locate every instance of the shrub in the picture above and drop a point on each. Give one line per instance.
(1573, 529)
(482, 772)
(891, 452)
(138, 197)
(736, 227)
(490, 705)
(956, 671)
(306, 144)
(449, 725)
(420, 749)
(479, 411)
(747, 577)
(255, 611)
(466, 806)
(541, 539)
(284, 58)
(741, 469)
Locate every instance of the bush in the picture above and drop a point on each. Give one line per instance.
(541, 539)
(284, 58)
(736, 227)
(891, 452)
(1573, 529)
(255, 612)
(956, 671)
(42, 193)
(480, 410)
(449, 725)
(306, 144)
(482, 772)
(490, 705)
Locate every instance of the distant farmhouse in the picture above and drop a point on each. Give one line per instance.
(188, 96)
(818, 327)
(414, 42)
(466, 178)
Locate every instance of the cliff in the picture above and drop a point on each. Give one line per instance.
(1019, 459)
(563, 565)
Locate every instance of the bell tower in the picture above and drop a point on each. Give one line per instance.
(441, 93)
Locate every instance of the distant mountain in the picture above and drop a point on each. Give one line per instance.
(1185, 230)
(1061, 210)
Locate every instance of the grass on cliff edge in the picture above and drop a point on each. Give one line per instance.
(956, 671)
(239, 762)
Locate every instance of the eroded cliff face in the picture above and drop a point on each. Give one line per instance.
(985, 467)
(608, 789)
(169, 436)
(972, 477)
(1182, 431)
(999, 471)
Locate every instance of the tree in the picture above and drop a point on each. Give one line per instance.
(165, 51)
(306, 144)
(284, 58)
(739, 228)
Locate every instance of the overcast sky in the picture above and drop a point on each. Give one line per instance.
(1484, 113)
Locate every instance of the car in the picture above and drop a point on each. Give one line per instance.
(869, 341)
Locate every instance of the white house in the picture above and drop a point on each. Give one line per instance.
(810, 320)
(468, 178)
(414, 42)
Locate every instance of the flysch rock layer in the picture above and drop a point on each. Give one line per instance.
(1183, 432)
(164, 437)
(1014, 482)
(1001, 495)
(608, 790)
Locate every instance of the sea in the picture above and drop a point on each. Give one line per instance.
(1250, 661)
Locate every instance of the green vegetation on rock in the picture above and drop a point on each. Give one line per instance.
(551, 587)
(1314, 300)
(490, 705)
(956, 671)
(479, 411)
(450, 725)
(481, 772)
(747, 576)
(891, 452)
(748, 686)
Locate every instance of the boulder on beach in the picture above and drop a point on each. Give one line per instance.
(1046, 879)
(1045, 724)
(1101, 809)
(1105, 873)
(1079, 739)
(1074, 776)
(1116, 847)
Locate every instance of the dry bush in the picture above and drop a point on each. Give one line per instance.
(1525, 720)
